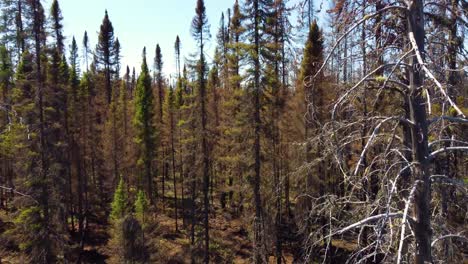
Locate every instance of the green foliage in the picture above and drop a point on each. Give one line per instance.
(380, 79)
(141, 206)
(313, 52)
(119, 203)
(143, 121)
(29, 220)
(6, 70)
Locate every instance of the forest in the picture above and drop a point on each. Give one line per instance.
(312, 132)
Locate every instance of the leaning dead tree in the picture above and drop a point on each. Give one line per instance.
(396, 137)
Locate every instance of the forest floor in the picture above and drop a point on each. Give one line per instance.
(229, 239)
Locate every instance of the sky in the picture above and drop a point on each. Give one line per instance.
(140, 23)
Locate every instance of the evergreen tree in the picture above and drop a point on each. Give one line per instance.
(105, 53)
(170, 121)
(161, 148)
(256, 12)
(145, 129)
(177, 47)
(117, 58)
(200, 31)
(6, 122)
(35, 222)
(86, 49)
(57, 26)
(158, 67)
(141, 207)
(119, 203)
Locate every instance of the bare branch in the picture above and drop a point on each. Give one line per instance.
(368, 220)
(459, 235)
(429, 73)
(367, 17)
(450, 119)
(442, 150)
(405, 217)
(19, 193)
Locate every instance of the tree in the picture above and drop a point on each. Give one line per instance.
(170, 121)
(57, 26)
(200, 31)
(177, 47)
(145, 129)
(255, 14)
(158, 67)
(35, 218)
(401, 94)
(161, 150)
(117, 58)
(119, 203)
(86, 49)
(105, 53)
(141, 207)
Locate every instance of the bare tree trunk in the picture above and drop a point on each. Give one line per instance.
(419, 136)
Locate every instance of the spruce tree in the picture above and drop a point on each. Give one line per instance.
(105, 53)
(200, 31)
(57, 26)
(161, 148)
(145, 129)
(170, 121)
(158, 67)
(255, 15)
(119, 203)
(86, 49)
(177, 47)
(117, 58)
(141, 207)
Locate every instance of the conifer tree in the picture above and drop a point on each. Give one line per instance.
(255, 15)
(105, 53)
(141, 207)
(161, 148)
(57, 26)
(35, 222)
(145, 129)
(117, 58)
(170, 121)
(119, 203)
(200, 31)
(74, 66)
(177, 47)
(158, 67)
(86, 49)
(6, 85)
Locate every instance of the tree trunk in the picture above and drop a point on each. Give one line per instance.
(419, 138)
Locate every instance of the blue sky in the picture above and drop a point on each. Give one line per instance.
(139, 23)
